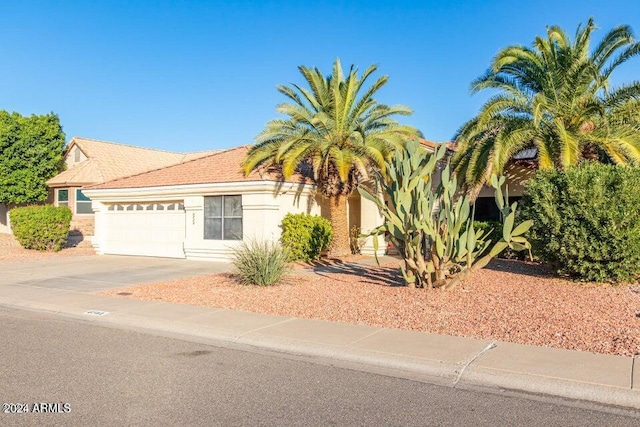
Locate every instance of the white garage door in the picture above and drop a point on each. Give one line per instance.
(149, 229)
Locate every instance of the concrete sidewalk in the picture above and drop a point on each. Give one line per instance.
(445, 360)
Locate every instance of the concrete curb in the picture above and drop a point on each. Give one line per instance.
(450, 361)
(575, 390)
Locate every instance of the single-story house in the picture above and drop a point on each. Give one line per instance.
(91, 162)
(140, 201)
(203, 208)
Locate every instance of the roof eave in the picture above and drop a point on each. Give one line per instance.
(246, 187)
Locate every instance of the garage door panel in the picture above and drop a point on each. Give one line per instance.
(158, 233)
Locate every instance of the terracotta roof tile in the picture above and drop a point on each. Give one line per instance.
(87, 172)
(219, 167)
(433, 145)
(109, 160)
(197, 154)
(118, 160)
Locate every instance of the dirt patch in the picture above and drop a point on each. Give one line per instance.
(509, 301)
(10, 250)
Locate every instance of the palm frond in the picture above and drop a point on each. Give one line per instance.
(556, 96)
(334, 125)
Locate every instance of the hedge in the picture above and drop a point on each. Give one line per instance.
(44, 228)
(587, 221)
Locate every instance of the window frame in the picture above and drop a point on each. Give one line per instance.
(62, 202)
(222, 217)
(77, 202)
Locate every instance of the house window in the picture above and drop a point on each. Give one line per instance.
(62, 197)
(83, 203)
(76, 155)
(223, 217)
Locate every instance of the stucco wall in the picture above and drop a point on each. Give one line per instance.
(82, 225)
(263, 207)
(354, 210)
(262, 213)
(4, 219)
(71, 156)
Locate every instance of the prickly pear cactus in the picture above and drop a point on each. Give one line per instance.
(432, 226)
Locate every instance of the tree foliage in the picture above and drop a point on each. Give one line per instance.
(338, 129)
(587, 221)
(554, 96)
(31, 150)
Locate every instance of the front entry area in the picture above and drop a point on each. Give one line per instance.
(149, 229)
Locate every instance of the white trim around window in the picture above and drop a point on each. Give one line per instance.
(62, 197)
(83, 203)
(223, 217)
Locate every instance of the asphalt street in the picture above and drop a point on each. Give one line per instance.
(93, 375)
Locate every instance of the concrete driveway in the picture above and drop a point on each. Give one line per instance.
(96, 273)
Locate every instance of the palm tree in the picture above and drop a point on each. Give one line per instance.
(338, 129)
(555, 97)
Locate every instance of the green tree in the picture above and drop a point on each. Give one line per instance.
(338, 129)
(31, 152)
(556, 97)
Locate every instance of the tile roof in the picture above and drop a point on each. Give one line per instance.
(87, 172)
(434, 145)
(205, 168)
(187, 157)
(220, 167)
(109, 160)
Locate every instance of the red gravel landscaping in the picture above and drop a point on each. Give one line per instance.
(508, 301)
(10, 250)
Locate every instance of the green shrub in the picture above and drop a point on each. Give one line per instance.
(494, 228)
(587, 221)
(44, 228)
(496, 235)
(260, 263)
(305, 236)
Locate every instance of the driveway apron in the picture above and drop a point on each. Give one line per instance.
(90, 274)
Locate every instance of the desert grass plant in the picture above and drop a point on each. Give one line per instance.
(432, 228)
(260, 262)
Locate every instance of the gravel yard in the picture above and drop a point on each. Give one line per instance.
(10, 250)
(509, 301)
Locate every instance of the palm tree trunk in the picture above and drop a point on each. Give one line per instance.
(338, 217)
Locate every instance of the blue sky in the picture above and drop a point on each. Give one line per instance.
(197, 75)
